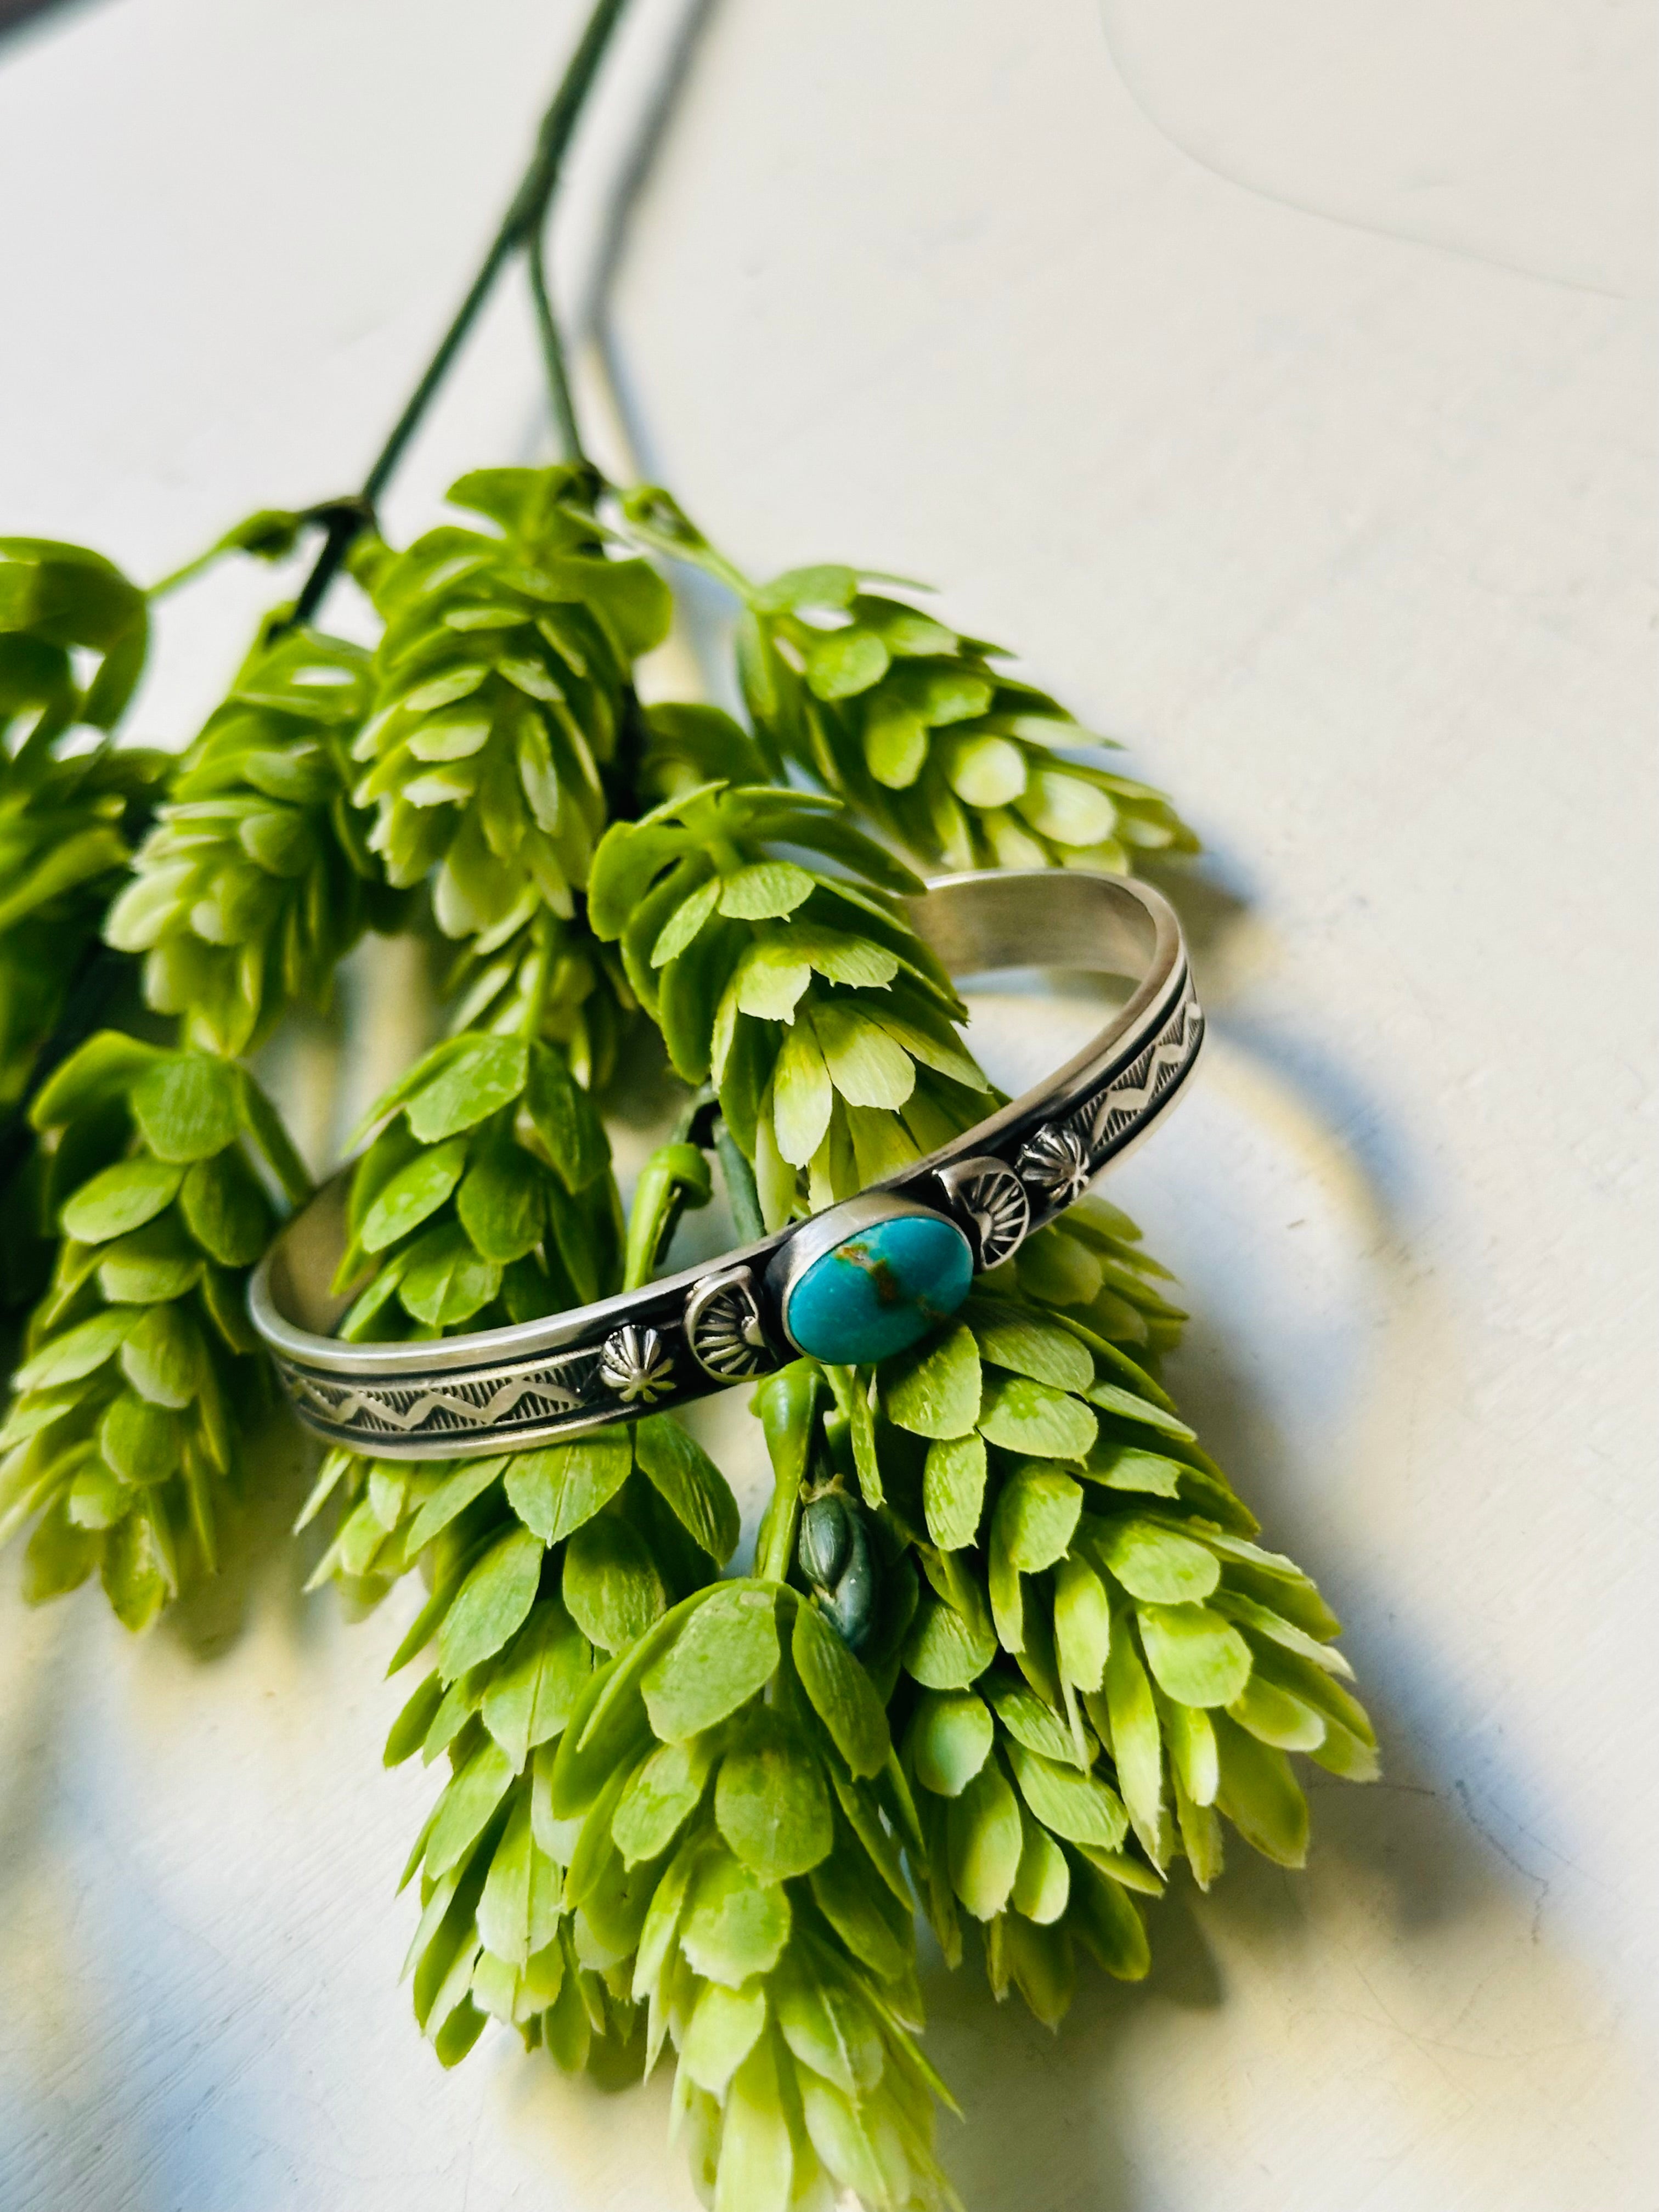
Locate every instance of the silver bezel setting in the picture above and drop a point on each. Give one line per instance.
(824, 1231)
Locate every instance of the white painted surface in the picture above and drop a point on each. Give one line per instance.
(1273, 379)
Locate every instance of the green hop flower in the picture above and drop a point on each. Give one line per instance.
(122, 1437)
(256, 881)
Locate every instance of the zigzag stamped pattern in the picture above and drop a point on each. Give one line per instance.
(493, 1399)
(1128, 1100)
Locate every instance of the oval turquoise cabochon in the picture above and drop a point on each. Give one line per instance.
(879, 1289)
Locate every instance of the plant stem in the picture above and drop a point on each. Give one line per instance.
(790, 1414)
(774, 1548)
(175, 577)
(547, 329)
(520, 229)
(655, 519)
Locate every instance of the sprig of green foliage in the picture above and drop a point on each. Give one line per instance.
(486, 1199)
(739, 1811)
(67, 826)
(804, 996)
(535, 1564)
(1097, 1659)
(1103, 1661)
(1099, 1662)
(255, 880)
(705, 1826)
(936, 746)
(137, 1209)
(538, 1564)
(501, 739)
(1009, 1646)
(72, 637)
(122, 1439)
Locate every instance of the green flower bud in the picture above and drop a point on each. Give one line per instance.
(826, 1540)
(501, 688)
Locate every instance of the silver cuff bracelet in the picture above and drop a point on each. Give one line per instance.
(855, 1283)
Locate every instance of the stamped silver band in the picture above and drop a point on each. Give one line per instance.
(508, 1389)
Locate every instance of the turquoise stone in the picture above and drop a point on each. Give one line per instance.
(879, 1289)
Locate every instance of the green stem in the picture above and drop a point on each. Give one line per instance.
(675, 1176)
(267, 537)
(547, 329)
(656, 519)
(694, 1115)
(519, 226)
(788, 1403)
(175, 577)
(775, 1551)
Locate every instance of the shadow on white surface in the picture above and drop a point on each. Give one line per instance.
(1437, 1878)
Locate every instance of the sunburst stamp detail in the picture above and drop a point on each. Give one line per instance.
(636, 1365)
(990, 1201)
(1055, 1164)
(723, 1326)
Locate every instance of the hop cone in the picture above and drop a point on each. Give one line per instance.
(538, 1564)
(706, 1826)
(951, 757)
(122, 1436)
(1102, 1660)
(549, 976)
(824, 1022)
(739, 1809)
(501, 693)
(68, 820)
(535, 1563)
(252, 884)
(487, 1197)
(66, 827)
(502, 702)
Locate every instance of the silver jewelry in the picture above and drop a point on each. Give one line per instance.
(723, 1326)
(853, 1283)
